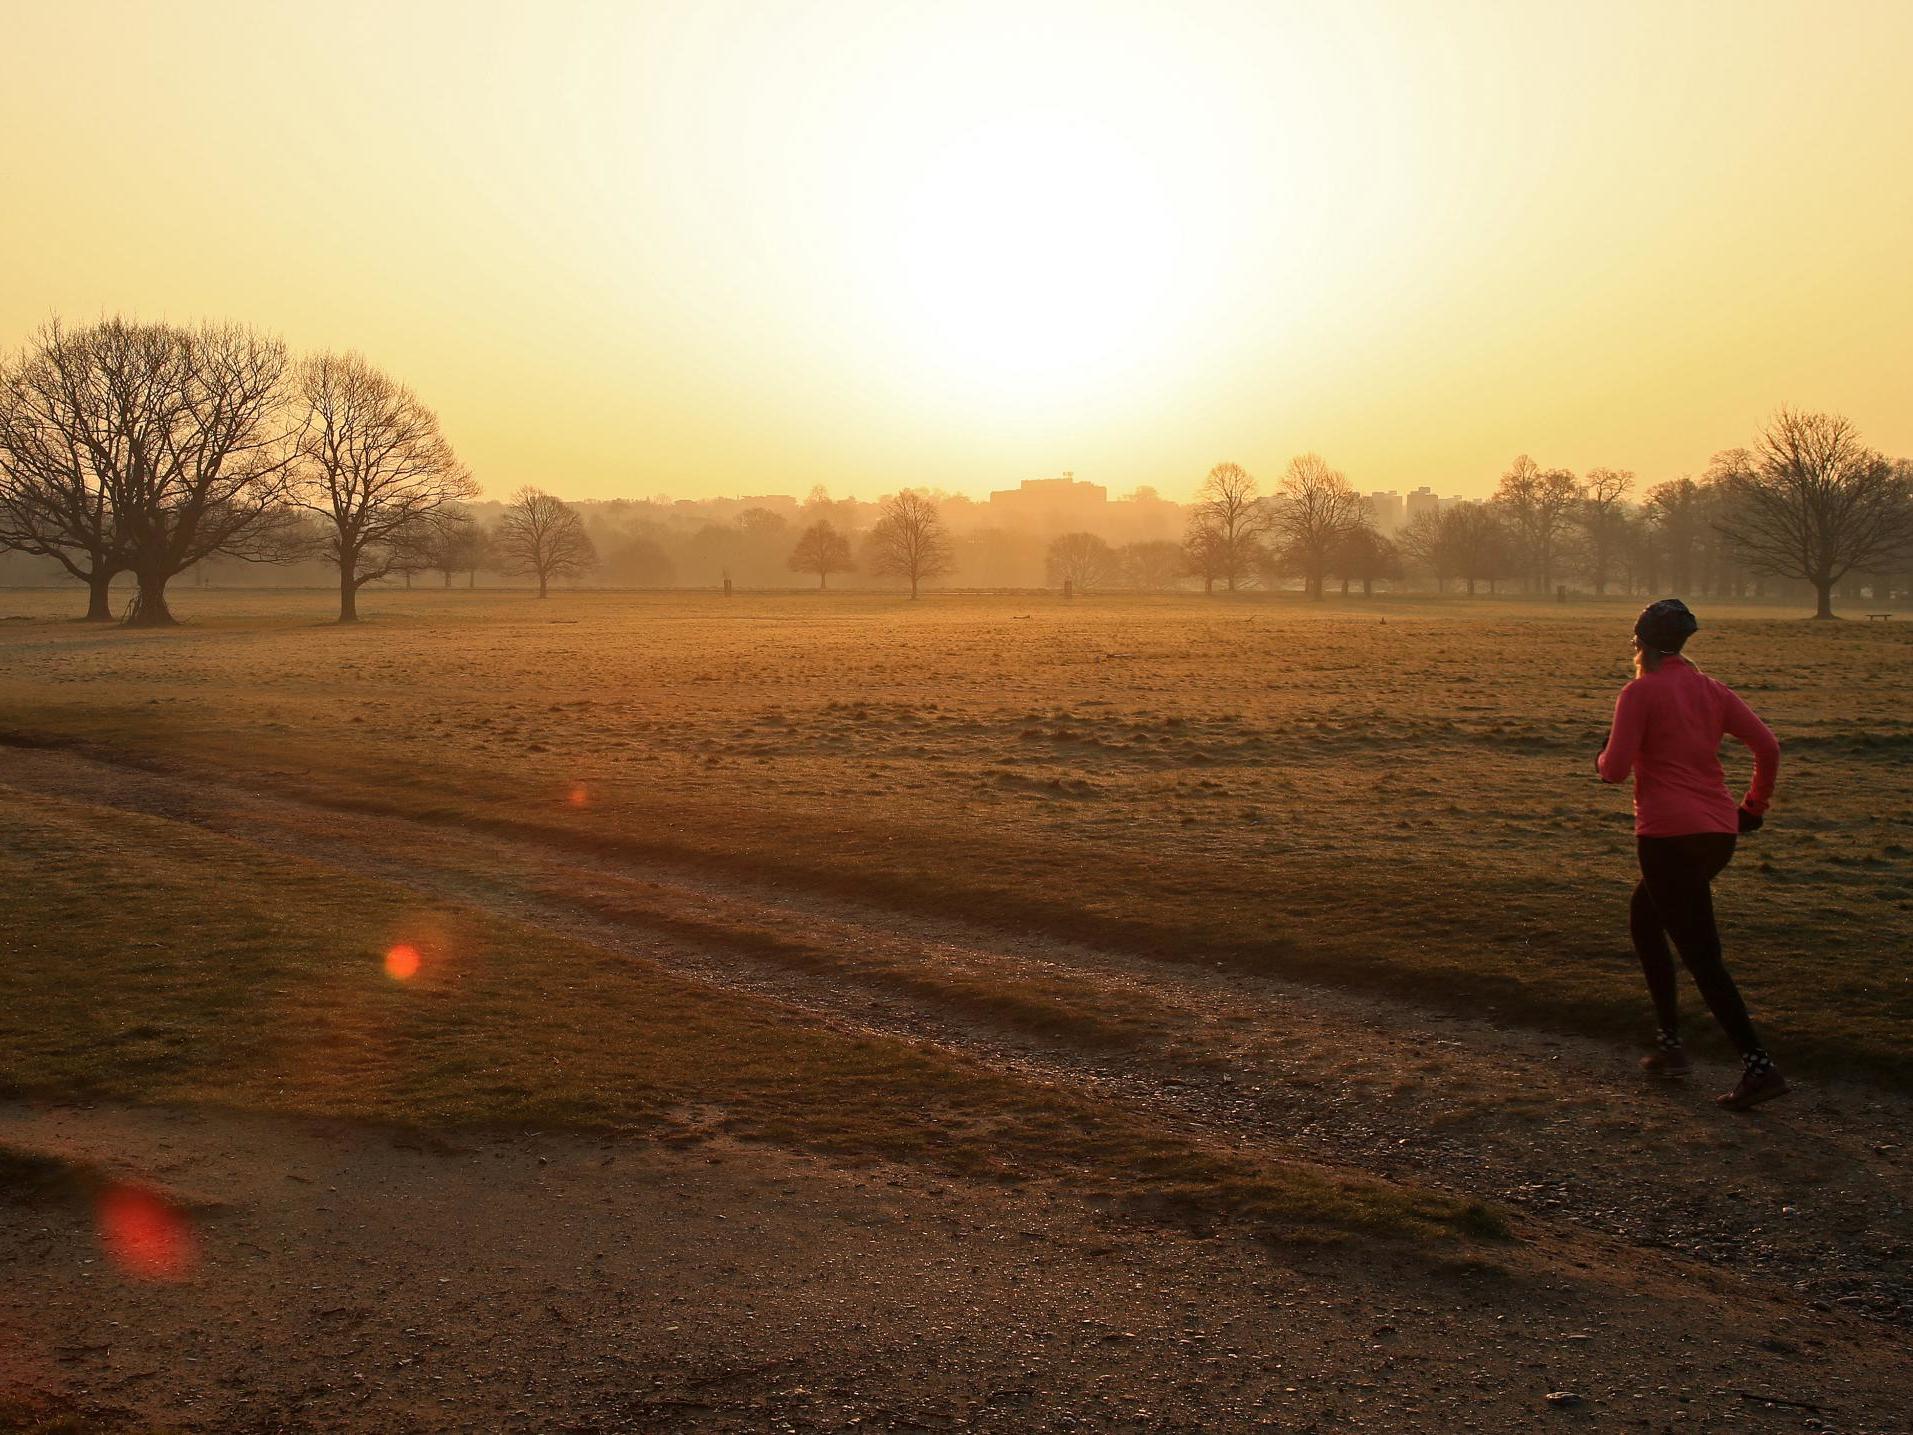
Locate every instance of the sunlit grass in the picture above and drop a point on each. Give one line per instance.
(156, 963)
(1403, 805)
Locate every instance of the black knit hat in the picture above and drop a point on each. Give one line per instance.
(1666, 624)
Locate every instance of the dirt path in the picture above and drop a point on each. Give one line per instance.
(1799, 1212)
(1813, 1192)
(354, 1278)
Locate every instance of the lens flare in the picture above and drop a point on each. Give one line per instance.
(145, 1235)
(579, 795)
(401, 962)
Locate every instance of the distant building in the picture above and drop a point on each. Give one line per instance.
(1422, 500)
(1060, 505)
(1384, 510)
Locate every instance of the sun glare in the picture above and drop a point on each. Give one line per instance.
(145, 1235)
(402, 962)
(1034, 250)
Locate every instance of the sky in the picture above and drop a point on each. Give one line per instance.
(712, 248)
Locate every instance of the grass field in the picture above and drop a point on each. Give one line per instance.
(1392, 795)
(796, 986)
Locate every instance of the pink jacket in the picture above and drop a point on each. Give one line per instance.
(1667, 730)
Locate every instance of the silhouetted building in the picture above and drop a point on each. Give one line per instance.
(1422, 500)
(1384, 510)
(1060, 505)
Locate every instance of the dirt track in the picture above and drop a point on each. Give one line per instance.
(1754, 1238)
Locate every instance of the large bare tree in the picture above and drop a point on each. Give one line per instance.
(1152, 565)
(1679, 512)
(1602, 516)
(1810, 501)
(1538, 506)
(1314, 509)
(822, 550)
(1083, 561)
(59, 453)
(210, 471)
(543, 537)
(374, 465)
(1226, 527)
(909, 541)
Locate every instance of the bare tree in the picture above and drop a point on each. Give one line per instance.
(822, 550)
(543, 537)
(1677, 510)
(58, 457)
(1465, 540)
(1226, 526)
(1153, 565)
(1603, 519)
(1313, 511)
(1811, 502)
(375, 466)
(211, 469)
(453, 542)
(1082, 560)
(1204, 553)
(1477, 544)
(179, 440)
(1423, 543)
(909, 541)
(1538, 505)
(1362, 555)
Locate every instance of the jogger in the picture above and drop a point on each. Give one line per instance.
(1668, 724)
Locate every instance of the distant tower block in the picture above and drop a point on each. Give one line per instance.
(1052, 505)
(1384, 511)
(1422, 500)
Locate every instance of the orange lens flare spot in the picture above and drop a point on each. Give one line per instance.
(145, 1236)
(578, 796)
(401, 963)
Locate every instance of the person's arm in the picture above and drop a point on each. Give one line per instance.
(1739, 720)
(1624, 738)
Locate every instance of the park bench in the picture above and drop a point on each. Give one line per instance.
(1878, 617)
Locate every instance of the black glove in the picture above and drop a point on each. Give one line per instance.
(1749, 821)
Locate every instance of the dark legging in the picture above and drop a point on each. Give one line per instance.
(1675, 899)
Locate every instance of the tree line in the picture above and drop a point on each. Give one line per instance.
(143, 449)
(1808, 502)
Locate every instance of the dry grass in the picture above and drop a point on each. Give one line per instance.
(153, 962)
(1405, 805)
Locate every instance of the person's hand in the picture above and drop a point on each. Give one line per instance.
(1749, 821)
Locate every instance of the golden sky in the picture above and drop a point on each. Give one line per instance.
(719, 248)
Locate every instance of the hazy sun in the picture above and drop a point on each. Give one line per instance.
(1035, 249)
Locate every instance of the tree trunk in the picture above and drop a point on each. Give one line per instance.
(448, 577)
(99, 598)
(821, 583)
(1825, 592)
(348, 597)
(543, 591)
(1345, 587)
(1368, 587)
(471, 579)
(149, 604)
(913, 585)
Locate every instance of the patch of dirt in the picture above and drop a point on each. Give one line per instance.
(371, 1280)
